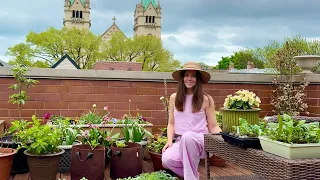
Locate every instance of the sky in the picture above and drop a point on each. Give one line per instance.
(193, 30)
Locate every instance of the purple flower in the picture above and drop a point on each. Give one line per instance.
(46, 116)
(85, 133)
(142, 118)
(114, 120)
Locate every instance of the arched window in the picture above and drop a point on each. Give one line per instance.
(73, 13)
(153, 19)
(150, 19)
(146, 19)
(80, 14)
(77, 14)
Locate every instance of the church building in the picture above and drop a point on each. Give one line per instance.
(147, 18)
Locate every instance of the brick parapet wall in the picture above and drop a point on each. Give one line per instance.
(116, 65)
(62, 94)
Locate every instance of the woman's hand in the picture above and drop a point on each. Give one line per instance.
(168, 145)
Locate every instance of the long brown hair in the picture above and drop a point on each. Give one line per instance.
(197, 98)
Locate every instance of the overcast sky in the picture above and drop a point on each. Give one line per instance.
(200, 30)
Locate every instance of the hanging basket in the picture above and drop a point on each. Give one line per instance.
(230, 117)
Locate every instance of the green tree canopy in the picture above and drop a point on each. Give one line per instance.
(146, 49)
(45, 48)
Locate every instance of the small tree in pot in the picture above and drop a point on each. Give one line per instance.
(41, 143)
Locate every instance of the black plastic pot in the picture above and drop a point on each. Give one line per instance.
(241, 142)
(20, 162)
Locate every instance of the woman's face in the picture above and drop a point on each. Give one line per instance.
(190, 78)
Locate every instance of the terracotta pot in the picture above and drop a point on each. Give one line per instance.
(6, 159)
(217, 161)
(156, 160)
(44, 167)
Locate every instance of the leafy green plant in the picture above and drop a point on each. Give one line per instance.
(289, 130)
(20, 97)
(132, 131)
(120, 144)
(243, 99)
(219, 118)
(246, 130)
(152, 176)
(69, 133)
(94, 117)
(157, 144)
(38, 139)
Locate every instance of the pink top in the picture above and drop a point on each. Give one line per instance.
(187, 121)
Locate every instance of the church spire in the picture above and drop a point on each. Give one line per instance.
(145, 3)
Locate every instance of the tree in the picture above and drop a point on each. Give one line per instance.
(240, 60)
(148, 50)
(46, 48)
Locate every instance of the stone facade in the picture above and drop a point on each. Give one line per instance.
(77, 14)
(147, 20)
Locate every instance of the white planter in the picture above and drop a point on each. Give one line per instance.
(290, 151)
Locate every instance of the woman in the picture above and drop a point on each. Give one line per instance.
(191, 115)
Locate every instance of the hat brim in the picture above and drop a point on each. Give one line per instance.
(205, 76)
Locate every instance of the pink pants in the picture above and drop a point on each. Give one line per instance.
(184, 155)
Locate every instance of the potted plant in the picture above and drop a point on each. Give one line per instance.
(19, 97)
(155, 150)
(242, 105)
(69, 138)
(152, 176)
(245, 135)
(291, 139)
(6, 159)
(41, 143)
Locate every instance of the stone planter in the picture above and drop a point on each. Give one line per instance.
(44, 166)
(6, 159)
(307, 62)
(230, 117)
(290, 151)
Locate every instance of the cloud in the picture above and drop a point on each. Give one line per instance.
(202, 30)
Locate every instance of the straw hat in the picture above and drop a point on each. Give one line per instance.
(205, 76)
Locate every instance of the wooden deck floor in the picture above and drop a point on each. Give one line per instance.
(228, 170)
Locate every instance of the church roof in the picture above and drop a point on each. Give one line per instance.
(72, 1)
(146, 3)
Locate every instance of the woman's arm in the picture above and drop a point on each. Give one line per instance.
(170, 128)
(213, 125)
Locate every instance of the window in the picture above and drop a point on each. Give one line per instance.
(153, 19)
(150, 19)
(80, 14)
(77, 14)
(73, 13)
(146, 19)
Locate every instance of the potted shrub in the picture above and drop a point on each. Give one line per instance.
(6, 159)
(19, 97)
(291, 139)
(242, 105)
(155, 150)
(41, 143)
(245, 135)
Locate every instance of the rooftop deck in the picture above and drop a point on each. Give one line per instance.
(147, 166)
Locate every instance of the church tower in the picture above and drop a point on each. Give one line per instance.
(77, 13)
(147, 18)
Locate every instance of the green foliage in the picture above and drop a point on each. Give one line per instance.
(45, 48)
(94, 116)
(157, 144)
(133, 131)
(23, 83)
(148, 50)
(38, 139)
(246, 130)
(219, 118)
(121, 144)
(291, 131)
(152, 176)
(240, 60)
(69, 133)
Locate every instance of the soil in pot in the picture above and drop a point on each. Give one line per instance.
(44, 167)
(20, 163)
(6, 159)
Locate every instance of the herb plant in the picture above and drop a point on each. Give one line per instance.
(38, 139)
(157, 144)
(246, 130)
(152, 176)
(289, 130)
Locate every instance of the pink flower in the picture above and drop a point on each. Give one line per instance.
(47, 116)
(105, 118)
(106, 108)
(108, 138)
(85, 133)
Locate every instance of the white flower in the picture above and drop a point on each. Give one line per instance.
(94, 105)
(161, 98)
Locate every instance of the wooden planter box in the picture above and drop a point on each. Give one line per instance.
(230, 117)
(290, 151)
